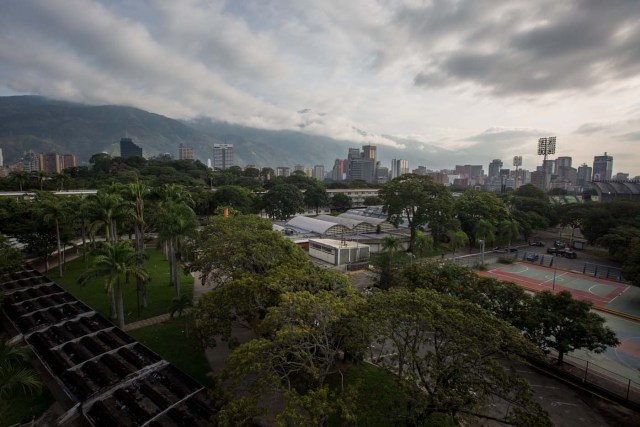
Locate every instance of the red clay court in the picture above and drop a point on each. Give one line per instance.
(600, 292)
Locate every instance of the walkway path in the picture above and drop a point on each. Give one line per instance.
(147, 322)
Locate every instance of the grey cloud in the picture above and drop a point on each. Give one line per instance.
(591, 128)
(631, 136)
(581, 45)
(499, 135)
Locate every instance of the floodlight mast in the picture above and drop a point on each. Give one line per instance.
(517, 161)
(546, 146)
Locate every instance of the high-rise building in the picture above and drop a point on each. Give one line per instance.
(538, 179)
(382, 175)
(283, 171)
(399, 167)
(318, 172)
(369, 152)
(1, 158)
(602, 167)
(298, 168)
(469, 171)
(68, 161)
(50, 162)
(362, 165)
(338, 171)
(185, 153)
(549, 166)
(494, 168)
(564, 169)
(584, 175)
(420, 170)
(128, 148)
(30, 162)
(222, 156)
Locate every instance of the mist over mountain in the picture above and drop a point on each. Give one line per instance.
(42, 124)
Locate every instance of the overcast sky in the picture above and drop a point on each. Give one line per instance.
(480, 76)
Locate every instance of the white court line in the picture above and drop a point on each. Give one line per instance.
(592, 288)
(614, 298)
(518, 272)
(551, 279)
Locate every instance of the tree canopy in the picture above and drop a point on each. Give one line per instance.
(419, 201)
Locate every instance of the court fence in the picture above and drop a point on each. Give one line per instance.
(624, 389)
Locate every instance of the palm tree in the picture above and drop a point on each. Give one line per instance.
(390, 244)
(116, 263)
(175, 224)
(136, 193)
(40, 176)
(20, 177)
(105, 208)
(423, 242)
(509, 230)
(485, 230)
(61, 178)
(179, 305)
(16, 376)
(79, 209)
(457, 239)
(54, 210)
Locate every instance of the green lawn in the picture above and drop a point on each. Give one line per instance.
(380, 402)
(25, 408)
(173, 340)
(159, 293)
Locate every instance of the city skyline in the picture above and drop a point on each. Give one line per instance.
(447, 77)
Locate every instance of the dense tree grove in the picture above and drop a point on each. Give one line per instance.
(444, 334)
(443, 331)
(613, 225)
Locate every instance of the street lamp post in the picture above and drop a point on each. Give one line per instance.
(553, 288)
(481, 251)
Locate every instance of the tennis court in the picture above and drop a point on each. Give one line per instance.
(602, 293)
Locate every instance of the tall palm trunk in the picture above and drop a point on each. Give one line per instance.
(140, 284)
(177, 271)
(119, 304)
(59, 248)
(83, 231)
(172, 264)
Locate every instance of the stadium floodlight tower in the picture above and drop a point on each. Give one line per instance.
(546, 146)
(517, 162)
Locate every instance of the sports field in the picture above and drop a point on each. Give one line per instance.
(602, 293)
(612, 297)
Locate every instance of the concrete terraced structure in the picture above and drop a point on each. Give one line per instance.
(99, 374)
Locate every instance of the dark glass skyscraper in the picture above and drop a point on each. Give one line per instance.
(128, 148)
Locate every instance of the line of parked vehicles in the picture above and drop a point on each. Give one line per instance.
(559, 248)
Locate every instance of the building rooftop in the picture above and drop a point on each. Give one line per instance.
(109, 378)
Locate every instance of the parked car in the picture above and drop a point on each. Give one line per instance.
(532, 257)
(504, 250)
(536, 243)
(562, 252)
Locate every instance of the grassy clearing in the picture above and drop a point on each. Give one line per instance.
(25, 408)
(159, 293)
(380, 402)
(173, 340)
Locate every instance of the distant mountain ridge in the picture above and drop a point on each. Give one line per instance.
(43, 124)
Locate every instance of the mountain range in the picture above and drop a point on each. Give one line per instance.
(42, 124)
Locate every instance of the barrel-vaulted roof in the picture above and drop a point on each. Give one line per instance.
(316, 225)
